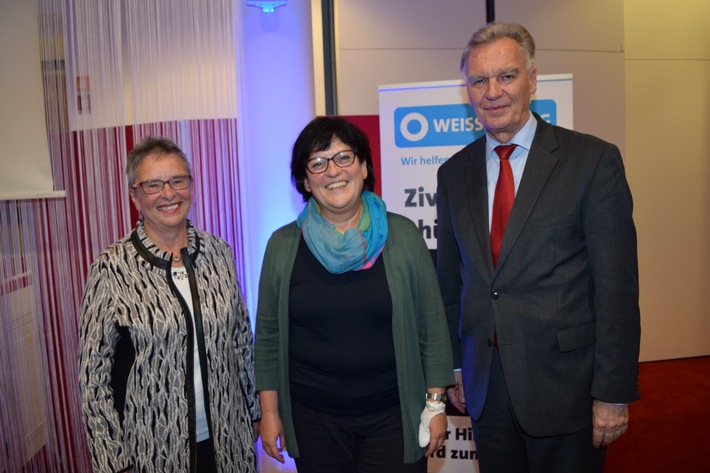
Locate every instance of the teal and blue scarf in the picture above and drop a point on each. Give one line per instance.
(354, 250)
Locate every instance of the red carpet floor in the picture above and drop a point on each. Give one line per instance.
(669, 429)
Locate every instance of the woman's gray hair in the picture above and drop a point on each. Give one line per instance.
(152, 146)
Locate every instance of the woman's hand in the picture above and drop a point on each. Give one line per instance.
(272, 429)
(437, 433)
(256, 427)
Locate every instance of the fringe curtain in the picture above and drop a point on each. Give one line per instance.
(114, 72)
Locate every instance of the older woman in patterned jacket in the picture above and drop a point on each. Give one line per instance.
(166, 355)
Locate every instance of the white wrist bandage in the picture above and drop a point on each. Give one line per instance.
(432, 409)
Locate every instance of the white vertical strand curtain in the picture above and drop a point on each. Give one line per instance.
(24, 411)
(113, 73)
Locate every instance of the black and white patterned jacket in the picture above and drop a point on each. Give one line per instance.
(136, 358)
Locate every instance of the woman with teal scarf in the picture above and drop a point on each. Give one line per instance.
(352, 349)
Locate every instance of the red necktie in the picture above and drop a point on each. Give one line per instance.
(503, 199)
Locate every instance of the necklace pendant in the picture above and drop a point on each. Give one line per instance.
(177, 259)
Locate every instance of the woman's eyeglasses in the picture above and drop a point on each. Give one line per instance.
(155, 186)
(319, 164)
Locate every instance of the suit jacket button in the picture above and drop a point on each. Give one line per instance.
(494, 295)
(489, 342)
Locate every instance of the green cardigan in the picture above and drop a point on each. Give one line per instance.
(421, 339)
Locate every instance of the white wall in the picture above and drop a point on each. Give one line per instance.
(398, 41)
(275, 102)
(24, 156)
(668, 164)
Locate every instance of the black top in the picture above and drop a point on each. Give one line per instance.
(341, 350)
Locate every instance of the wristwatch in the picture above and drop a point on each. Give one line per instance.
(438, 397)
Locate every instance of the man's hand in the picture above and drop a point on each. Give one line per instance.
(456, 395)
(609, 421)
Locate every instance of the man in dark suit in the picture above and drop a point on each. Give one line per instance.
(543, 304)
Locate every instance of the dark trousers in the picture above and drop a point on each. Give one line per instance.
(502, 445)
(365, 444)
(205, 457)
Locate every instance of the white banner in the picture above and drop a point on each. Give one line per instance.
(458, 454)
(423, 124)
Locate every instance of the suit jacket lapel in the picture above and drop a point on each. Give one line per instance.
(541, 161)
(476, 182)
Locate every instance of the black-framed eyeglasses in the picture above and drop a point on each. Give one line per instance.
(319, 164)
(155, 186)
